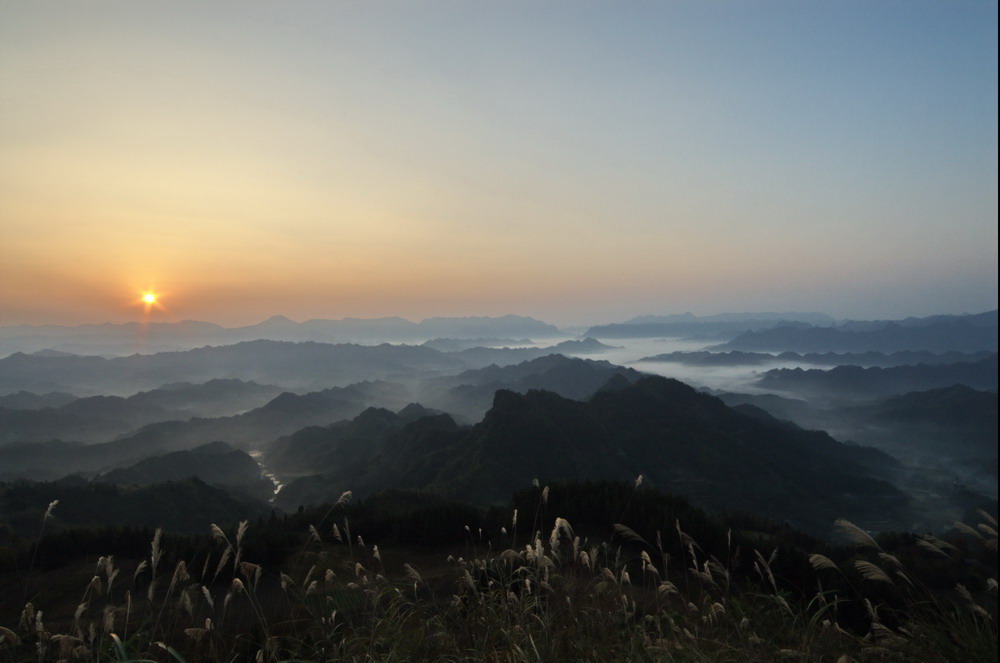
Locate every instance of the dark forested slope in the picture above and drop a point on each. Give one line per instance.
(681, 440)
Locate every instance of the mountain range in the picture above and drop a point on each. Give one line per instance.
(684, 328)
(680, 440)
(96, 419)
(966, 333)
(300, 366)
(854, 382)
(295, 366)
(282, 415)
(949, 433)
(127, 338)
(476, 414)
(739, 358)
(32, 451)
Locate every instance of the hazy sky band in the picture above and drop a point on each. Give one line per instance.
(576, 161)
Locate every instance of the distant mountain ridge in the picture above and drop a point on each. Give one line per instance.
(866, 359)
(687, 329)
(966, 333)
(814, 318)
(102, 418)
(459, 344)
(27, 400)
(296, 366)
(306, 365)
(483, 356)
(188, 334)
(854, 382)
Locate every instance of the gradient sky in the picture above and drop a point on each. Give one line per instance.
(576, 161)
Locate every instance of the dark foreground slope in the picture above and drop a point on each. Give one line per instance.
(189, 505)
(634, 575)
(683, 441)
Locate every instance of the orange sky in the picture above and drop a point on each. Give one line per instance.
(564, 161)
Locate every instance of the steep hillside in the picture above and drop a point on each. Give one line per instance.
(681, 440)
(189, 505)
(214, 463)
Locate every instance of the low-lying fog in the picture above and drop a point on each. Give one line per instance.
(940, 427)
(630, 352)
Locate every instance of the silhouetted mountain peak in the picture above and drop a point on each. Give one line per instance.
(52, 353)
(666, 389)
(376, 416)
(416, 411)
(287, 401)
(504, 399)
(276, 322)
(511, 407)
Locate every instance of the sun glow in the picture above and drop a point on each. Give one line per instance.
(149, 299)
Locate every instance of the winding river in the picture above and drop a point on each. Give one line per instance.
(257, 454)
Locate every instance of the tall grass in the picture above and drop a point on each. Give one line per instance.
(554, 597)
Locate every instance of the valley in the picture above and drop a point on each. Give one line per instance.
(925, 420)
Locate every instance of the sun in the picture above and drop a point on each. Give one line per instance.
(149, 299)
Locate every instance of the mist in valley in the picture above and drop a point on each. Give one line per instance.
(512, 331)
(144, 418)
